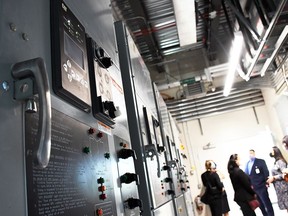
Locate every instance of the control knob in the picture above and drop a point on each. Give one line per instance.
(133, 203)
(168, 180)
(171, 192)
(126, 153)
(166, 167)
(127, 178)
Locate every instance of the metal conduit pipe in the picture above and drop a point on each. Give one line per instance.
(212, 95)
(216, 107)
(220, 109)
(218, 102)
(189, 118)
(227, 105)
(213, 105)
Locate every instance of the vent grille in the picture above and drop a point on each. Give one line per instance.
(195, 89)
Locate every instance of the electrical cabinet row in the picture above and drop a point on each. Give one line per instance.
(100, 140)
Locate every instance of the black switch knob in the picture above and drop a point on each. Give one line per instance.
(166, 167)
(181, 181)
(109, 105)
(133, 203)
(171, 192)
(168, 180)
(183, 189)
(126, 153)
(127, 178)
(160, 149)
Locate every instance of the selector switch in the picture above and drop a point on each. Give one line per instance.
(168, 180)
(126, 153)
(127, 178)
(166, 167)
(170, 192)
(133, 203)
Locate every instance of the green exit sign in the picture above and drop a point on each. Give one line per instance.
(188, 81)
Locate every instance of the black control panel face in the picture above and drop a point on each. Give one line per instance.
(69, 56)
(103, 108)
(78, 179)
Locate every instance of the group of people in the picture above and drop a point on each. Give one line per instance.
(248, 185)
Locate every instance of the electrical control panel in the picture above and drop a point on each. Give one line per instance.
(175, 165)
(92, 163)
(78, 178)
(156, 161)
(69, 56)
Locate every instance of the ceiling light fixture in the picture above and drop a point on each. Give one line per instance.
(186, 21)
(234, 57)
(164, 23)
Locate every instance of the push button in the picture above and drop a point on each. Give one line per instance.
(99, 212)
(103, 196)
(86, 150)
(102, 188)
(100, 180)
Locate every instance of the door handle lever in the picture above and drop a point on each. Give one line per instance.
(36, 68)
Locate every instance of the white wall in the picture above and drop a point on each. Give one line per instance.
(234, 132)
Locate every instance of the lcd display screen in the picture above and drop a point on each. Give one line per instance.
(72, 50)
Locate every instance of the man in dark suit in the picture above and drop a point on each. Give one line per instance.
(258, 172)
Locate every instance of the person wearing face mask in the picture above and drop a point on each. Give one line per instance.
(258, 173)
(241, 185)
(280, 185)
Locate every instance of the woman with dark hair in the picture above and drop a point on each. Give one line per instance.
(214, 188)
(241, 185)
(280, 185)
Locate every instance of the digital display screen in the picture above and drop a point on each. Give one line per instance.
(72, 50)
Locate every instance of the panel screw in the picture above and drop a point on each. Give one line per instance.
(5, 86)
(25, 37)
(13, 27)
(24, 88)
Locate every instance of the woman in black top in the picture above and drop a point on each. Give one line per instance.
(214, 188)
(242, 186)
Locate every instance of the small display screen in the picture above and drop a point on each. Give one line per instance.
(72, 50)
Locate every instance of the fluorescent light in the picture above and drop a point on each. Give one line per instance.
(186, 21)
(235, 54)
(164, 23)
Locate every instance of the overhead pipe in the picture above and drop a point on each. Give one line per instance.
(243, 20)
(265, 38)
(263, 17)
(227, 18)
